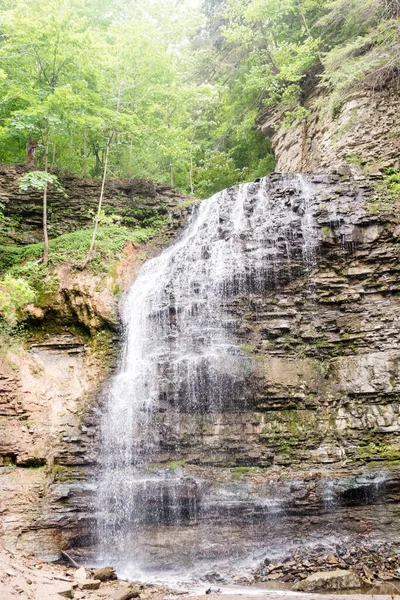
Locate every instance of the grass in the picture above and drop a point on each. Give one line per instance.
(22, 269)
(72, 247)
(239, 472)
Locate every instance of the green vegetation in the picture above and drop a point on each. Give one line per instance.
(62, 473)
(26, 279)
(15, 293)
(387, 193)
(378, 451)
(72, 247)
(175, 464)
(239, 472)
(38, 181)
(171, 92)
(276, 53)
(84, 84)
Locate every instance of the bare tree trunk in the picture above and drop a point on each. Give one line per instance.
(191, 175)
(31, 146)
(46, 167)
(171, 165)
(84, 154)
(97, 219)
(53, 157)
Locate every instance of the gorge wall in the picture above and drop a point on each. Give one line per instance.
(310, 450)
(363, 133)
(296, 442)
(51, 377)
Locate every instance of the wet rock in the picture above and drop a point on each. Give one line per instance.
(125, 593)
(105, 574)
(328, 580)
(66, 591)
(89, 584)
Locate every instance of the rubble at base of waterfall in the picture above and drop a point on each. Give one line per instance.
(373, 563)
(25, 577)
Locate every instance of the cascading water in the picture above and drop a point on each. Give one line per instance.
(183, 361)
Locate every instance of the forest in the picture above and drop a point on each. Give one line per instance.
(173, 87)
(170, 91)
(199, 299)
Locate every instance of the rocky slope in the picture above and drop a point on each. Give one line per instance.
(137, 201)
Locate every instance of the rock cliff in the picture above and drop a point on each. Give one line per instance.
(307, 451)
(52, 375)
(310, 452)
(364, 132)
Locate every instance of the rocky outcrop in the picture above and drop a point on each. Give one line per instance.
(338, 579)
(308, 450)
(365, 131)
(49, 387)
(52, 375)
(368, 564)
(138, 202)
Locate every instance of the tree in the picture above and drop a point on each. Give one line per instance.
(39, 181)
(98, 214)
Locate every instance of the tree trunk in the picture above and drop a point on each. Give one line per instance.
(46, 167)
(97, 219)
(191, 175)
(31, 146)
(171, 166)
(84, 154)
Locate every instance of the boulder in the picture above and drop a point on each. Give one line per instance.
(66, 591)
(125, 593)
(105, 574)
(339, 579)
(89, 584)
(80, 575)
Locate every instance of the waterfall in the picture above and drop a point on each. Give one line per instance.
(183, 360)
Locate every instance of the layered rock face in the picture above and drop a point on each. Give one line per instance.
(289, 435)
(137, 201)
(301, 445)
(364, 132)
(51, 378)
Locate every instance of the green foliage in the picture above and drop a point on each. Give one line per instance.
(38, 181)
(387, 193)
(27, 280)
(179, 90)
(73, 71)
(239, 472)
(71, 248)
(392, 180)
(15, 293)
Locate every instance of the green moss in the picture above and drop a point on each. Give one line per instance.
(379, 452)
(62, 473)
(387, 193)
(187, 203)
(175, 464)
(326, 231)
(352, 159)
(101, 341)
(239, 472)
(246, 348)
